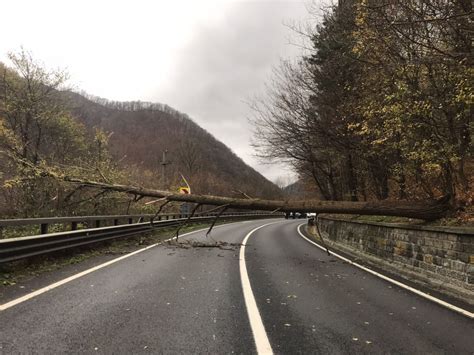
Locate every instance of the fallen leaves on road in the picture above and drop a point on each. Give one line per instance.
(189, 244)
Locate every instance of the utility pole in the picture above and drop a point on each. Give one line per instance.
(163, 164)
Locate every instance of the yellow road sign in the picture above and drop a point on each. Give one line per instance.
(184, 190)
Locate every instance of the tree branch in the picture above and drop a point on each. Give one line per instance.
(215, 219)
(187, 220)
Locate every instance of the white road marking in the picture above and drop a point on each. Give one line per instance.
(88, 271)
(258, 330)
(395, 282)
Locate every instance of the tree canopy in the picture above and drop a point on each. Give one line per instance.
(381, 105)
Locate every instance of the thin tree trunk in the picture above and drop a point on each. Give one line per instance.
(352, 178)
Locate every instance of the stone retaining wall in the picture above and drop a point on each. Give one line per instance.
(442, 257)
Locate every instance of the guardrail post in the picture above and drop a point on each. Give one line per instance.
(130, 220)
(44, 228)
(73, 226)
(97, 223)
(116, 222)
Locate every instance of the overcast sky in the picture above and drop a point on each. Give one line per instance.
(205, 58)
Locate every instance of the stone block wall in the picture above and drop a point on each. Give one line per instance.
(440, 256)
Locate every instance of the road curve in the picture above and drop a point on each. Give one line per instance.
(314, 303)
(179, 301)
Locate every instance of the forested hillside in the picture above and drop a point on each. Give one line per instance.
(140, 132)
(45, 127)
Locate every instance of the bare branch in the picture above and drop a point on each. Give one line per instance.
(187, 220)
(158, 212)
(242, 193)
(215, 219)
(275, 210)
(155, 201)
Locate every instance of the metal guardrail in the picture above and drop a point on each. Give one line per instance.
(20, 248)
(96, 221)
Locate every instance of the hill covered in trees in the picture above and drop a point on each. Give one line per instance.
(141, 131)
(46, 128)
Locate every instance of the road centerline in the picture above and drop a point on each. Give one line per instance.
(258, 329)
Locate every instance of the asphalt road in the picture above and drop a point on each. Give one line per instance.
(191, 301)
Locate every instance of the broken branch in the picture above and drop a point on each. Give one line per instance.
(187, 220)
(158, 212)
(155, 201)
(215, 219)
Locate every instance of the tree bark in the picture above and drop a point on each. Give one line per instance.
(426, 210)
(352, 178)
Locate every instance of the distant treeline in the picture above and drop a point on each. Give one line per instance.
(134, 105)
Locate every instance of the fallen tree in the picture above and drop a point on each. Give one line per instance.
(426, 210)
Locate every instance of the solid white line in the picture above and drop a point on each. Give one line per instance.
(258, 330)
(85, 272)
(395, 282)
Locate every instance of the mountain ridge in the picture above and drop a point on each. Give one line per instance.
(140, 132)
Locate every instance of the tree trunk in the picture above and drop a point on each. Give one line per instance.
(427, 210)
(352, 178)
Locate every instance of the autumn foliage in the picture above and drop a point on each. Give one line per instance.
(381, 105)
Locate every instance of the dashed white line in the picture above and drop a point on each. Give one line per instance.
(260, 336)
(395, 282)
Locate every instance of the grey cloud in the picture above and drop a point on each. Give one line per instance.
(228, 62)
